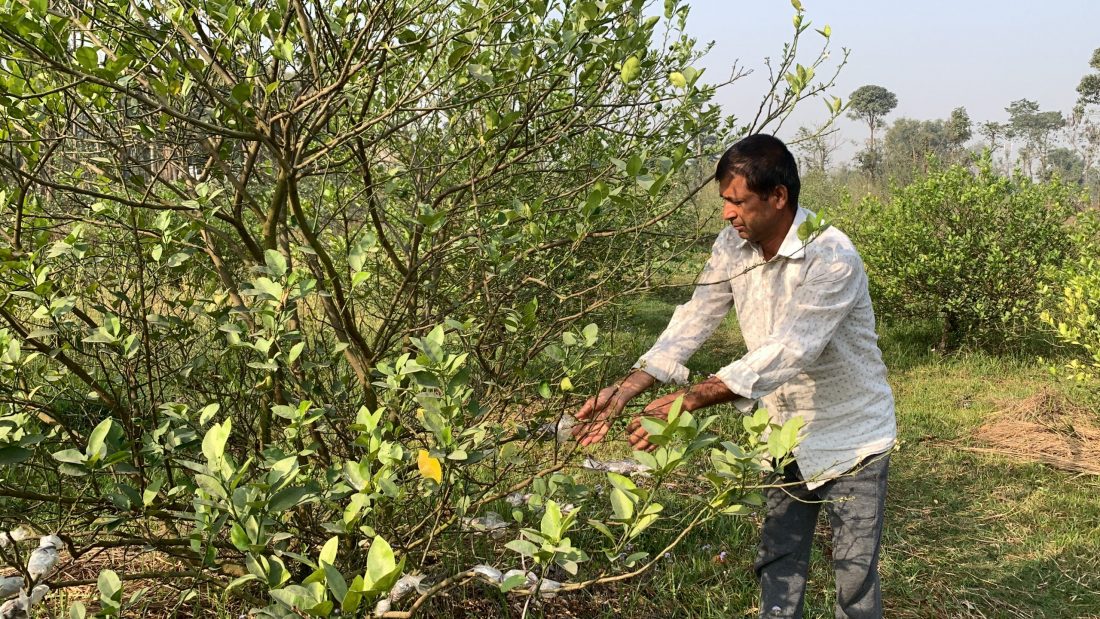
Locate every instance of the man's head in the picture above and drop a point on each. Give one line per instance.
(765, 163)
(758, 182)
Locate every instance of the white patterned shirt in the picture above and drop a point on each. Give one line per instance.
(807, 321)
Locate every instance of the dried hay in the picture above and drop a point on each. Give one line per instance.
(1046, 428)
(164, 593)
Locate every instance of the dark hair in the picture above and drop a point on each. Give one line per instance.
(765, 163)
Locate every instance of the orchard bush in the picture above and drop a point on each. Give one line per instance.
(1074, 303)
(286, 287)
(968, 246)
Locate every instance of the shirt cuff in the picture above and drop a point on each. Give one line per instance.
(744, 405)
(664, 369)
(739, 378)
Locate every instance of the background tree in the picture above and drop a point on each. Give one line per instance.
(816, 147)
(910, 144)
(995, 134)
(871, 104)
(1036, 129)
(1089, 87)
(958, 128)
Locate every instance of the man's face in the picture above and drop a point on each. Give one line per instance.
(756, 218)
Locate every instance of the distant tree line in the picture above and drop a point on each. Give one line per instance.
(1041, 144)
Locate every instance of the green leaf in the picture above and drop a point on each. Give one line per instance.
(77, 611)
(481, 72)
(646, 458)
(283, 50)
(513, 581)
(328, 551)
(150, 493)
(70, 456)
(551, 521)
(353, 597)
(335, 580)
(295, 352)
(291, 496)
(276, 263)
(265, 286)
(622, 503)
(591, 334)
(239, 537)
(642, 524)
(208, 413)
(602, 528)
(87, 58)
(523, 547)
(380, 560)
(237, 582)
(213, 443)
(110, 586)
(97, 441)
(632, 68)
(14, 454)
(241, 93)
(796, 4)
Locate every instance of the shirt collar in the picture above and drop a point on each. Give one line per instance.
(792, 246)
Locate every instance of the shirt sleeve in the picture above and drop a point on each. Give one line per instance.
(693, 322)
(816, 309)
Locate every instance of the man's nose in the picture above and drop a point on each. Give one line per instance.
(728, 212)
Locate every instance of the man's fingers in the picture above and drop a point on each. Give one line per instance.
(594, 435)
(587, 409)
(639, 438)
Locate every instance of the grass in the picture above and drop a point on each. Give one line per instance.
(967, 535)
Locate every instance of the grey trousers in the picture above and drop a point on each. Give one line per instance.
(854, 504)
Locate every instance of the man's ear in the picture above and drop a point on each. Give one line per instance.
(780, 195)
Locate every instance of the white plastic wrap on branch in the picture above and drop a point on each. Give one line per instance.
(408, 584)
(20, 607)
(405, 586)
(10, 586)
(560, 430)
(490, 523)
(517, 499)
(488, 573)
(546, 589)
(18, 534)
(622, 467)
(44, 558)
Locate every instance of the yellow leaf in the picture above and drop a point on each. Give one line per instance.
(429, 466)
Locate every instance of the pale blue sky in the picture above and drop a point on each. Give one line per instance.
(936, 55)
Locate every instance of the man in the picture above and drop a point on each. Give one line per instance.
(806, 317)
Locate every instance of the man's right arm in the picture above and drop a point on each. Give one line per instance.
(691, 324)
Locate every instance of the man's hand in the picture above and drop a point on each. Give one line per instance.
(599, 411)
(709, 392)
(657, 409)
